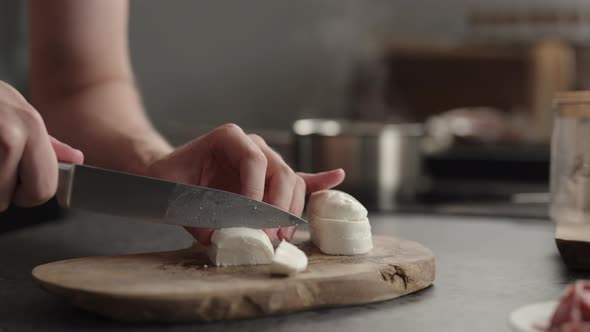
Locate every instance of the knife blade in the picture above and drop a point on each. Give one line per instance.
(143, 198)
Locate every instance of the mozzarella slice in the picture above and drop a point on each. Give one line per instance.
(341, 237)
(338, 224)
(334, 204)
(240, 246)
(288, 259)
(342, 229)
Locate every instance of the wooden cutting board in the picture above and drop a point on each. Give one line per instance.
(179, 286)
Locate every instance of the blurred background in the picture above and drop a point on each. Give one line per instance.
(428, 105)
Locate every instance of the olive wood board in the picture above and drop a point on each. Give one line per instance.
(183, 286)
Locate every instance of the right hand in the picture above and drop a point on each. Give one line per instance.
(28, 155)
(228, 159)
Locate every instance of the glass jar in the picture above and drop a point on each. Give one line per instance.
(570, 158)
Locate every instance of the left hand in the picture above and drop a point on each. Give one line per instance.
(228, 159)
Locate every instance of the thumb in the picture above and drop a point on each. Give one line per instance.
(320, 181)
(66, 153)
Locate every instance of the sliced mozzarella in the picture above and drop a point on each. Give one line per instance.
(346, 247)
(342, 229)
(334, 204)
(240, 246)
(339, 237)
(338, 224)
(288, 259)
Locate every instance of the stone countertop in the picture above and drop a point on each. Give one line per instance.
(485, 268)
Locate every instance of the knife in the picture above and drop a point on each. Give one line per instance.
(138, 197)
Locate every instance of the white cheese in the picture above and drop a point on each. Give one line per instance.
(240, 246)
(288, 259)
(334, 204)
(338, 224)
(341, 237)
(344, 229)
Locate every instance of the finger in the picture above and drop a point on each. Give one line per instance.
(203, 235)
(297, 205)
(281, 178)
(229, 142)
(14, 93)
(322, 181)
(272, 233)
(298, 201)
(38, 165)
(66, 153)
(12, 144)
(286, 233)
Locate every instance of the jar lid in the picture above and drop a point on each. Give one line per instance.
(572, 103)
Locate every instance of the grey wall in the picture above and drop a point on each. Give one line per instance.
(13, 57)
(263, 63)
(259, 63)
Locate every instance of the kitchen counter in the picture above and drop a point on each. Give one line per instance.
(485, 268)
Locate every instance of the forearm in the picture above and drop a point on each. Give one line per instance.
(82, 82)
(106, 121)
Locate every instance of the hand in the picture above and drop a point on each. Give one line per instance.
(229, 159)
(28, 155)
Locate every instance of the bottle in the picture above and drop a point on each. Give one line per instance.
(569, 208)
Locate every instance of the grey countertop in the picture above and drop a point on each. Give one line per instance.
(485, 268)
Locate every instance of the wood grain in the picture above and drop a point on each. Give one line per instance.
(177, 285)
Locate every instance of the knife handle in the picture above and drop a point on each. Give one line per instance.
(64, 184)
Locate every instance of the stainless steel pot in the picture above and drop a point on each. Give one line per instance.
(382, 161)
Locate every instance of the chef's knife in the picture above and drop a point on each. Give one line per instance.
(121, 194)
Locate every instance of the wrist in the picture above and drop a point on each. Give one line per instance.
(147, 151)
(129, 153)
